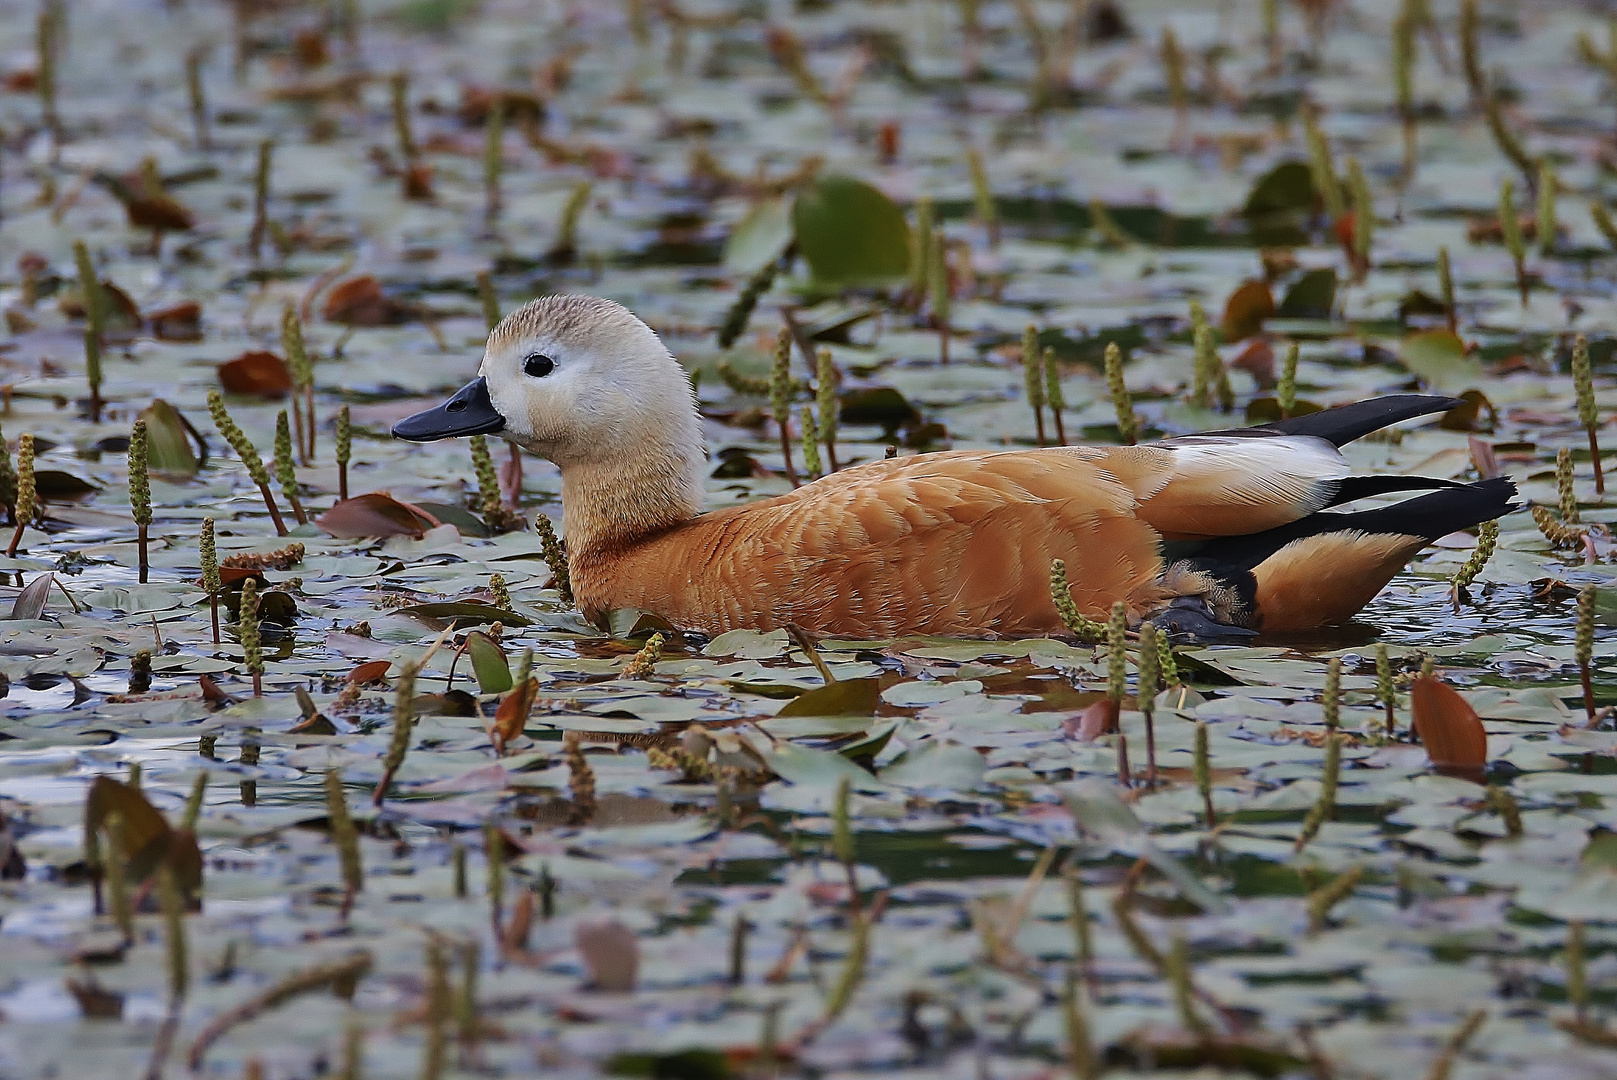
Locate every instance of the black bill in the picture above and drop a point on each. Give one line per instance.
(469, 412)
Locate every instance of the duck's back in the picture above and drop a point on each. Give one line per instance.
(960, 543)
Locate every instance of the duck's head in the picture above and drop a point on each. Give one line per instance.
(577, 380)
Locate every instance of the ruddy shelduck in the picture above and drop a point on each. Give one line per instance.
(1198, 533)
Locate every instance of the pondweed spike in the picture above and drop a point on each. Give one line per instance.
(1322, 169)
(1487, 541)
(252, 648)
(580, 779)
(921, 250)
(95, 324)
(1503, 803)
(1566, 494)
(1053, 396)
(403, 725)
(297, 359)
(1128, 426)
(345, 836)
(1080, 1046)
(1588, 408)
(1510, 229)
(1117, 653)
(1203, 768)
(1583, 648)
(8, 479)
(811, 443)
(1201, 339)
(1544, 219)
(735, 319)
(345, 449)
(286, 472)
(1147, 686)
(1556, 531)
(1331, 697)
(780, 397)
(1445, 284)
(983, 196)
(1603, 222)
(140, 494)
(1033, 378)
(1385, 689)
(1286, 387)
(489, 504)
(399, 83)
(1577, 978)
(1322, 900)
(1084, 629)
(555, 556)
(193, 802)
(211, 581)
(27, 493)
(199, 102)
(1184, 994)
(494, 860)
(488, 298)
(1364, 219)
(261, 185)
(942, 294)
(499, 592)
(493, 158)
(247, 452)
(566, 247)
(825, 395)
(1325, 807)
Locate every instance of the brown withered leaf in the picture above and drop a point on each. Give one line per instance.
(177, 322)
(1100, 718)
(1246, 309)
(477, 102)
(369, 672)
(359, 301)
(611, 955)
(1449, 729)
(1258, 361)
(258, 373)
(375, 514)
(512, 715)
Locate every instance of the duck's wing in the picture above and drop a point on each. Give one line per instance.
(951, 543)
(1224, 485)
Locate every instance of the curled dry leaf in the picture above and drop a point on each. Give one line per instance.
(1100, 718)
(611, 955)
(177, 322)
(359, 301)
(369, 672)
(259, 373)
(376, 514)
(1247, 308)
(1449, 729)
(512, 715)
(1258, 361)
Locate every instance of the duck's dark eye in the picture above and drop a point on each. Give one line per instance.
(538, 365)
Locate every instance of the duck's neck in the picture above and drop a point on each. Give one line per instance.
(609, 505)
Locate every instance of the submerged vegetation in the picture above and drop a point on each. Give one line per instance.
(326, 776)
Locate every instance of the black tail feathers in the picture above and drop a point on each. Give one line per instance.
(1345, 423)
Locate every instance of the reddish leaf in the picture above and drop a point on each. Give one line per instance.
(235, 575)
(259, 373)
(119, 312)
(1246, 309)
(476, 103)
(178, 322)
(375, 514)
(369, 672)
(1097, 720)
(359, 301)
(418, 181)
(512, 715)
(1449, 729)
(211, 693)
(611, 955)
(1258, 361)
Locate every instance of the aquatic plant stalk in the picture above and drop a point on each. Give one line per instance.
(345, 836)
(1083, 628)
(498, 591)
(1603, 222)
(825, 394)
(1128, 425)
(811, 442)
(580, 779)
(1148, 685)
(566, 247)
(1577, 977)
(1322, 900)
(921, 237)
(1033, 378)
(1501, 802)
(488, 298)
(1588, 408)
(140, 495)
(494, 859)
(1286, 387)
(1565, 492)
(1075, 1021)
(1203, 771)
(1322, 169)
(942, 293)
(489, 504)
(248, 454)
(1325, 808)
(1511, 230)
(252, 649)
(27, 493)
(297, 359)
(46, 43)
(1470, 54)
(211, 582)
(117, 869)
(746, 301)
(493, 158)
(1583, 647)
(780, 398)
(94, 324)
(198, 98)
(555, 556)
(286, 473)
(1053, 397)
(345, 447)
(403, 725)
(1331, 697)
(1385, 689)
(1544, 219)
(261, 185)
(643, 664)
(1364, 217)
(1445, 281)
(1487, 541)
(983, 196)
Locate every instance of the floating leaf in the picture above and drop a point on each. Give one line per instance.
(1468, 415)
(1312, 296)
(1280, 204)
(850, 233)
(488, 663)
(758, 238)
(879, 405)
(59, 485)
(611, 955)
(30, 603)
(466, 613)
(849, 697)
(169, 453)
(178, 322)
(359, 301)
(512, 715)
(368, 672)
(256, 373)
(1246, 309)
(146, 833)
(1449, 729)
(376, 514)
(1440, 358)
(634, 623)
